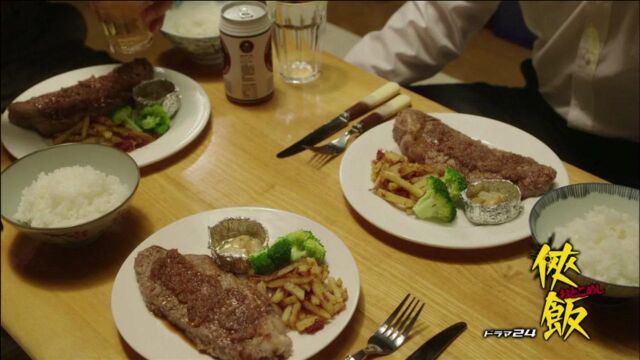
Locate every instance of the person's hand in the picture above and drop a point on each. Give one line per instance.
(153, 15)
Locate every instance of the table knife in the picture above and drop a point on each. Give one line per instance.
(433, 347)
(383, 113)
(358, 109)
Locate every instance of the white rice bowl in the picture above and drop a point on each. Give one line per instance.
(195, 19)
(601, 221)
(69, 196)
(90, 185)
(607, 240)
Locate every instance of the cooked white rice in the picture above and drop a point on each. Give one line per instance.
(69, 196)
(194, 19)
(608, 242)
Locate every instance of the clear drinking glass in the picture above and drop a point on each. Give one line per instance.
(123, 25)
(298, 29)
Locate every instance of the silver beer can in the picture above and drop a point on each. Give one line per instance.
(245, 33)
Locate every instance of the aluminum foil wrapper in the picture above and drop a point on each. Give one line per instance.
(158, 91)
(492, 214)
(231, 228)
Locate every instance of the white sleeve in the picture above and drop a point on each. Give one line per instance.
(420, 38)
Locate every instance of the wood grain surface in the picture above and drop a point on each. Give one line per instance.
(56, 301)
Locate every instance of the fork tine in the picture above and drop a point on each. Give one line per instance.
(402, 318)
(324, 160)
(406, 330)
(329, 158)
(319, 157)
(314, 158)
(400, 323)
(318, 160)
(396, 311)
(394, 330)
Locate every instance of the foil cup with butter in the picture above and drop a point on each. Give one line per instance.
(157, 91)
(491, 202)
(233, 240)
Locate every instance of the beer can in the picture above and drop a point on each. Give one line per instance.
(245, 34)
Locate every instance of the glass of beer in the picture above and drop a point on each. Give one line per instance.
(298, 29)
(123, 25)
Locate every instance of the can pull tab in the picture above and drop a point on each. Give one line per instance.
(245, 13)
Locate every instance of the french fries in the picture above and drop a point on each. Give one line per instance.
(404, 184)
(101, 130)
(399, 181)
(306, 294)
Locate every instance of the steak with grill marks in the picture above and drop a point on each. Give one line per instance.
(425, 139)
(224, 316)
(60, 110)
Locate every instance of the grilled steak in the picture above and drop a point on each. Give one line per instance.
(224, 316)
(425, 139)
(60, 110)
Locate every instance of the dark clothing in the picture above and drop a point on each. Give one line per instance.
(615, 160)
(40, 40)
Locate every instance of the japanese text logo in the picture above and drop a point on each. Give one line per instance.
(562, 313)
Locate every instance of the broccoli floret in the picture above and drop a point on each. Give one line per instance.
(153, 118)
(131, 125)
(122, 114)
(125, 116)
(287, 249)
(161, 129)
(297, 238)
(455, 183)
(305, 244)
(149, 122)
(280, 253)
(315, 249)
(261, 263)
(435, 204)
(297, 253)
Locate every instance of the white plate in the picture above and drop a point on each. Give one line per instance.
(148, 335)
(355, 171)
(185, 125)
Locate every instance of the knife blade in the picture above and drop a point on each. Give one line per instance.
(433, 347)
(358, 109)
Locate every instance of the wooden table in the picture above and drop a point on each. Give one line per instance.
(56, 301)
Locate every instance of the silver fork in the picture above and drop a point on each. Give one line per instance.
(393, 332)
(337, 146)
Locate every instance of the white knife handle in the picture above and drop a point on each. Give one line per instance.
(384, 112)
(382, 94)
(392, 107)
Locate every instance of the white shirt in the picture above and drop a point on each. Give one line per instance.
(585, 54)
